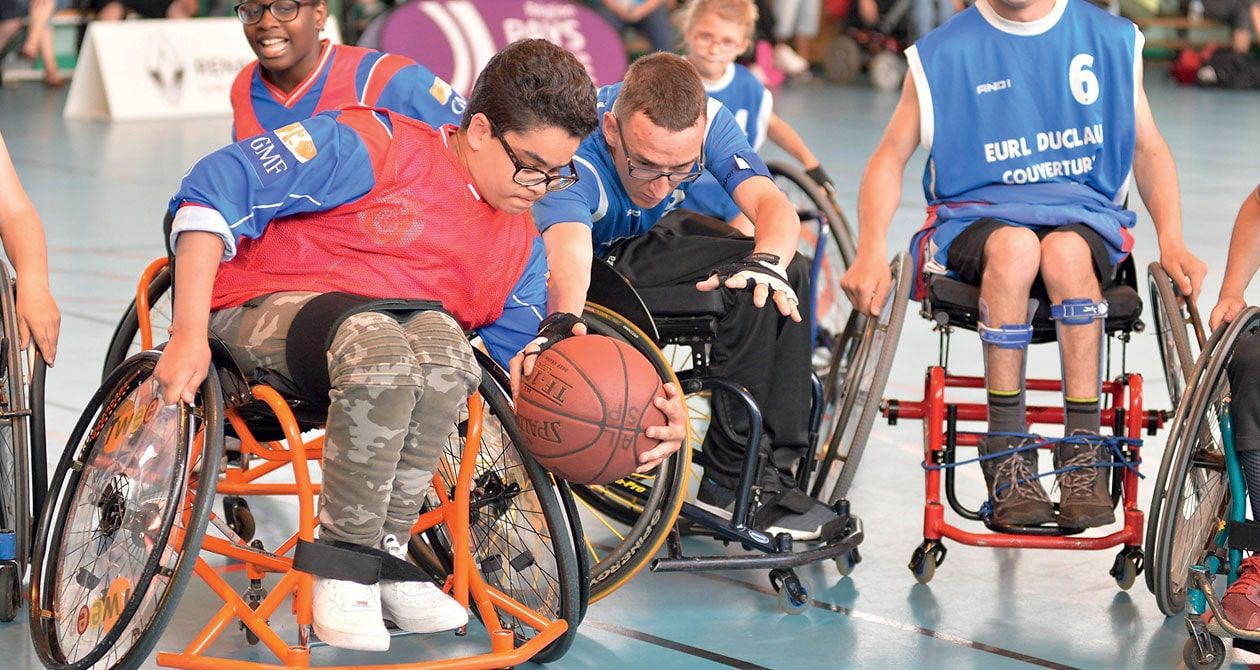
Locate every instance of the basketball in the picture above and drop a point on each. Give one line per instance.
(584, 409)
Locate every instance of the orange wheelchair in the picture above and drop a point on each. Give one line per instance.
(130, 519)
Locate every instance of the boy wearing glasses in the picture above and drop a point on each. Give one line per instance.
(382, 208)
(715, 33)
(659, 132)
(298, 75)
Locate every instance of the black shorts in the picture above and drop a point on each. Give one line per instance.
(11, 9)
(965, 257)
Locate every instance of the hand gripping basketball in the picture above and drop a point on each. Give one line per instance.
(551, 330)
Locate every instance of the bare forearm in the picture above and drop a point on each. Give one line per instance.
(878, 198)
(776, 229)
(569, 257)
(25, 245)
(786, 137)
(1244, 248)
(1156, 176)
(197, 258)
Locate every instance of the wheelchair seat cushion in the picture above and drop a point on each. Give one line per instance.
(958, 304)
(682, 300)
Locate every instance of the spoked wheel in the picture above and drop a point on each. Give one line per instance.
(827, 243)
(20, 490)
(126, 339)
(863, 387)
(1177, 327)
(125, 521)
(842, 63)
(1192, 491)
(627, 521)
(519, 529)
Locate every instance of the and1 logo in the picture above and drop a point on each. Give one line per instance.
(1081, 79)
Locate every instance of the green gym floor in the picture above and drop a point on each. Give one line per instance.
(101, 189)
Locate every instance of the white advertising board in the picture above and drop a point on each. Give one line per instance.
(161, 68)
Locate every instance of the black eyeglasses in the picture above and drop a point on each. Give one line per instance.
(649, 174)
(284, 10)
(526, 175)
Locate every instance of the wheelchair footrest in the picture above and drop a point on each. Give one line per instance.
(1252, 646)
(1244, 535)
(353, 563)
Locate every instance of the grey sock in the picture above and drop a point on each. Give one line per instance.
(1081, 416)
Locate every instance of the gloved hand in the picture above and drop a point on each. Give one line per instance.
(552, 329)
(761, 273)
(820, 177)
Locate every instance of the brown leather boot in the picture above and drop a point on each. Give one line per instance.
(1086, 493)
(1018, 498)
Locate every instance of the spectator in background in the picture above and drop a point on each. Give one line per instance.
(116, 10)
(1242, 15)
(795, 20)
(650, 17)
(38, 41)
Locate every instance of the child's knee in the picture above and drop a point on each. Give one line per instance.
(442, 351)
(371, 349)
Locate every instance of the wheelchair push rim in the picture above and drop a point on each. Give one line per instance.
(1173, 317)
(864, 385)
(519, 533)
(1192, 492)
(17, 484)
(124, 524)
(640, 510)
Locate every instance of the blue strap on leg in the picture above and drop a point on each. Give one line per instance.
(1007, 337)
(1078, 311)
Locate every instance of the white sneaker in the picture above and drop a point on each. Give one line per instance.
(418, 607)
(348, 615)
(786, 59)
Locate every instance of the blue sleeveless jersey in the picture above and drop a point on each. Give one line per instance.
(1031, 123)
(752, 104)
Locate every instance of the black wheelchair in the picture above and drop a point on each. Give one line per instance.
(131, 518)
(23, 458)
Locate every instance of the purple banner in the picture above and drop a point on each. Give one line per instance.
(456, 38)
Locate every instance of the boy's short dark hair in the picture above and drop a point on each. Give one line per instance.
(533, 84)
(667, 88)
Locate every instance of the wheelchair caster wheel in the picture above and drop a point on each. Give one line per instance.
(1126, 568)
(10, 590)
(846, 562)
(924, 560)
(1204, 659)
(843, 61)
(239, 518)
(793, 593)
(254, 596)
(887, 70)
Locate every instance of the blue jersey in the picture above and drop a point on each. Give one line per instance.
(747, 99)
(318, 165)
(1031, 123)
(344, 75)
(599, 200)
(752, 105)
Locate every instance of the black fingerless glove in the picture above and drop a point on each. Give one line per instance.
(820, 177)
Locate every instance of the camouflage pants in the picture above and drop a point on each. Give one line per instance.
(397, 390)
